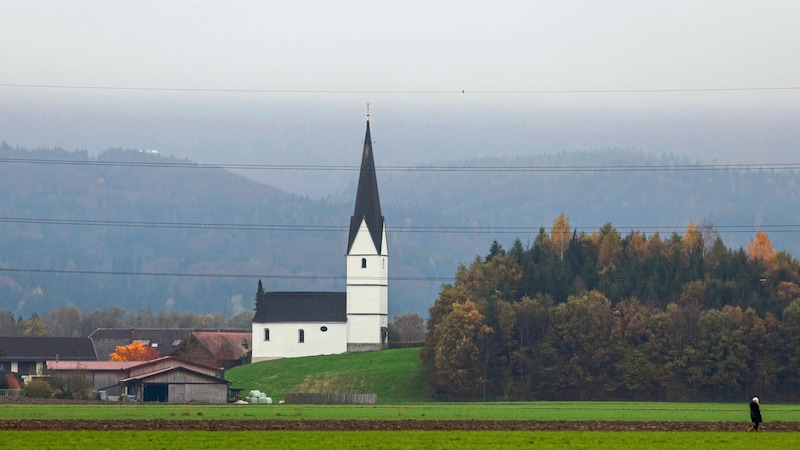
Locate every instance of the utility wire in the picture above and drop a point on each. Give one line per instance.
(771, 228)
(448, 168)
(217, 275)
(404, 92)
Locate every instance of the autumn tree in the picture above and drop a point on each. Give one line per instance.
(636, 246)
(63, 322)
(581, 334)
(242, 320)
(135, 351)
(635, 369)
(761, 248)
(407, 328)
(790, 334)
(457, 353)
(9, 326)
(560, 235)
(610, 249)
(35, 327)
(693, 240)
(718, 358)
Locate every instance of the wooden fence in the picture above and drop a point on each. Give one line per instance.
(331, 399)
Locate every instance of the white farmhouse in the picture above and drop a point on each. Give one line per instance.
(293, 324)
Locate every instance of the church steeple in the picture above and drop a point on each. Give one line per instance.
(368, 204)
(367, 263)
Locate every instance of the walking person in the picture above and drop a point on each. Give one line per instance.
(755, 414)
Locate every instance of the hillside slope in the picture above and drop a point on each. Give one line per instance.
(395, 375)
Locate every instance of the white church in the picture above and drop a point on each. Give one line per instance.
(293, 324)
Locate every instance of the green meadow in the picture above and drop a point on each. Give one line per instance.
(395, 375)
(568, 411)
(121, 440)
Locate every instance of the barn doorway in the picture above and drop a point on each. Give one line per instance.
(157, 392)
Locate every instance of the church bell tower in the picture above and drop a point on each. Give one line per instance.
(367, 263)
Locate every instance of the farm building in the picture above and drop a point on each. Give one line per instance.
(166, 379)
(27, 356)
(216, 348)
(226, 349)
(166, 341)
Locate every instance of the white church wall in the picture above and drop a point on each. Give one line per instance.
(362, 244)
(365, 329)
(367, 300)
(284, 340)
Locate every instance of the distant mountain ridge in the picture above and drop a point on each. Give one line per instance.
(129, 228)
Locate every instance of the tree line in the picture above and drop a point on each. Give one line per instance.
(69, 321)
(602, 316)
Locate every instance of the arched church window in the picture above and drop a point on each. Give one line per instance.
(266, 334)
(363, 263)
(301, 336)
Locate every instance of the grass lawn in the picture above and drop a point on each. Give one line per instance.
(395, 375)
(609, 411)
(120, 440)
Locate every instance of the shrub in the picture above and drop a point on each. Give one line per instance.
(38, 388)
(71, 385)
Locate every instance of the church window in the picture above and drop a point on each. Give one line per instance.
(266, 334)
(301, 336)
(323, 328)
(363, 263)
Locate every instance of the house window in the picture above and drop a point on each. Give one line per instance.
(301, 336)
(363, 263)
(266, 334)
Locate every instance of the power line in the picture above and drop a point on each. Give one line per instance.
(403, 91)
(443, 168)
(771, 228)
(216, 275)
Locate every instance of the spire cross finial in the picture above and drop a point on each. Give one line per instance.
(367, 111)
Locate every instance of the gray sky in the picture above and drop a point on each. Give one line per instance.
(315, 65)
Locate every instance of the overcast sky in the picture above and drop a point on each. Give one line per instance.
(715, 79)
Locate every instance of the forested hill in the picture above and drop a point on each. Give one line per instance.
(79, 230)
(89, 227)
(632, 190)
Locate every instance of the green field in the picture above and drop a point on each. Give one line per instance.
(395, 375)
(568, 411)
(120, 440)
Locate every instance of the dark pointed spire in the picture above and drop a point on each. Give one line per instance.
(368, 205)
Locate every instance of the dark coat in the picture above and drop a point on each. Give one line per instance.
(755, 412)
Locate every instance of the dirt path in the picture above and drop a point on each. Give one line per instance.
(381, 425)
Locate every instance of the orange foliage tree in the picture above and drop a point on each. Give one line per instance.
(135, 351)
(761, 248)
(561, 235)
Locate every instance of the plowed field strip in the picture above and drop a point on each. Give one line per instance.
(379, 425)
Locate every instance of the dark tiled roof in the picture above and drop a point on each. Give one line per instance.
(302, 307)
(368, 204)
(224, 344)
(46, 348)
(106, 340)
